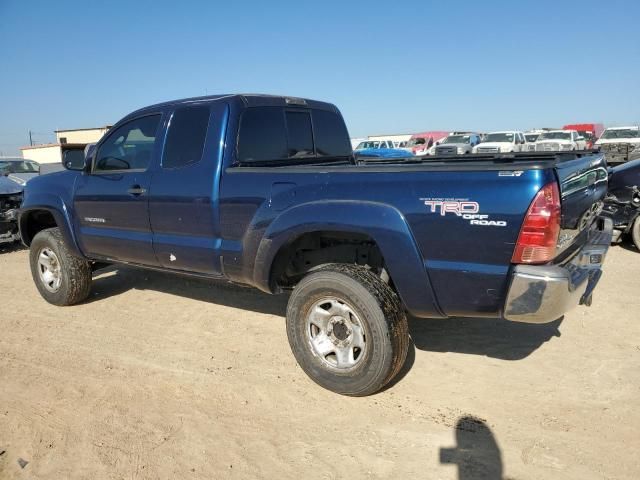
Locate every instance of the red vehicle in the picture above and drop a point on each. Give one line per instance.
(590, 131)
(419, 143)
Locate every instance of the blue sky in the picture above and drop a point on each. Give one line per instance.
(389, 66)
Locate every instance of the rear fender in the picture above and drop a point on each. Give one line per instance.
(383, 223)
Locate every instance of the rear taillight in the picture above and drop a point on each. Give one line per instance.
(539, 233)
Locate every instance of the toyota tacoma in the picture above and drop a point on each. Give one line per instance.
(265, 191)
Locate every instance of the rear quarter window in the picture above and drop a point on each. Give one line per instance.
(186, 136)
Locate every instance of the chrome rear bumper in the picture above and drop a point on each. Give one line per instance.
(543, 293)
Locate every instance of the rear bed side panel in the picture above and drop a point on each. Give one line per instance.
(467, 264)
(469, 258)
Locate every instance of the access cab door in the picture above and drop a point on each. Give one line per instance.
(112, 201)
(183, 205)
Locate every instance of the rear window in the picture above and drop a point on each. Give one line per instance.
(262, 135)
(276, 133)
(299, 134)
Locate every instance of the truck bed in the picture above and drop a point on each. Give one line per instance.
(457, 256)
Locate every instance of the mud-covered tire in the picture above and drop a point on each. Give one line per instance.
(74, 273)
(635, 232)
(375, 309)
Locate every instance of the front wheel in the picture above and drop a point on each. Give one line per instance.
(61, 277)
(347, 329)
(635, 232)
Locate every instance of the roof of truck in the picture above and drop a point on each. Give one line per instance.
(249, 99)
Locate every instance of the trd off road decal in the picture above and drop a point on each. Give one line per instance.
(461, 207)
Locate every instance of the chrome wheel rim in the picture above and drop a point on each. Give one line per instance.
(49, 270)
(335, 334)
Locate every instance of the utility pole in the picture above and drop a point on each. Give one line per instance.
(30, 139)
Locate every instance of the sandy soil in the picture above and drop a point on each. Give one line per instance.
(162, 377)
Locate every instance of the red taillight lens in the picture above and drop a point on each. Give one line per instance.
(539, 233)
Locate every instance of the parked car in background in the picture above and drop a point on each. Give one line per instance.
(620, 144)
(531, 137)
(367, 144)
(356, 141)
(383, 153)
(590, 131)
(622, 203)
(458, 144)
(421, 143)
(560, 141)
(14, 175)
(501, 142)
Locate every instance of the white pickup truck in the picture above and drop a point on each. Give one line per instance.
(620, 144)
(560, 141)
(501, 142)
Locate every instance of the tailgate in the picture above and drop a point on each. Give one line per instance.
(583, 185)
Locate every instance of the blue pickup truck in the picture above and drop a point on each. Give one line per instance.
(265, 191)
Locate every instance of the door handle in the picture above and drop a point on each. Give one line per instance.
(136, 190)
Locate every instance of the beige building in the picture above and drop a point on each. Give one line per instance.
(75, 139)
(81, 135)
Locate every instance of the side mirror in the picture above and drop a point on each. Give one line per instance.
(73, 160)
(580, 138)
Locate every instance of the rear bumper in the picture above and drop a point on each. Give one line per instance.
(543, 293)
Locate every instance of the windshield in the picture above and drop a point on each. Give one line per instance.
(416, 141)
(621, 133)
(532, 137)
(363, 145)
(499, 137)
(588, 135)
(18, 166)
(456, 139)
(555, 136)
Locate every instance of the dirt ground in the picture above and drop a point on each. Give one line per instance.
(162, 377)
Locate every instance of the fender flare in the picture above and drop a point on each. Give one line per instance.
(383, 223)
(61, 214)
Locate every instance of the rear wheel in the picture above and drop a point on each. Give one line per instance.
(61, 277)
(347, 329)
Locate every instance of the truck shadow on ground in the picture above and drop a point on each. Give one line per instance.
(478, 336)
(482, 336)
(112, 281)
(11, 247)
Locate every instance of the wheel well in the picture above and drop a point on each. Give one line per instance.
(36, 221)
(310, 250)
